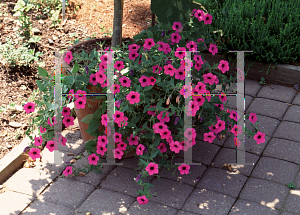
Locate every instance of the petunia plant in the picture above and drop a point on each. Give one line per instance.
(150, 92)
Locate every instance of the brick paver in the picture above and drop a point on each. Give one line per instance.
(277, 92)
(283, 149)
(13, 202)
(222, 181)
(275, 170)
(251, 208)
(264, 192)
(207, 202)
(288, 130)
(292, 203)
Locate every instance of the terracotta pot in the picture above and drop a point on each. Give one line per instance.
(81, 113)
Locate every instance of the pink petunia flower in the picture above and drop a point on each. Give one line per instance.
(133, 140)
(184, 169)
(101, 150)
(133, 47)
(80, 94)
(209, 137)
(259, 137)
(209, 78)
(52, 145)
(118, 153)
(80, 103)
(68, 171)
(192, 46)
(68, 121)
(140, 149)
(34, 153)
(68, 57)
(253, 118)
(93, 79)
(236, 130)
(223, 66)
(207, 19)
(133, 55)
(133, 97)
(175, 146)
(66, 111)
(93, 159)
(177, 26)
(100, 77)
(54, 122)
(118, 116)
(149, 43)
(152, 168)
(43, 130)
(142, 200)
(38, 141)
(180, 52)
(175, 37)
(165, 133)
(29, 107)
(119, 65)
(162, 147)
(234, 115)
(122, 146)
(213, 49)
(144, 80)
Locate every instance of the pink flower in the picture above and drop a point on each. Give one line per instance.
(193, 107)
(51, 145)
(223, 66)
(140, 149)
(192, 46)
(118, 137)
(80, 94)
(118, 153)
(66, 111)
(54, 122)
(223, 97)
(151, 80)
(93, 159)
(102, 140)
(175, 146)
(118, 116)
(209, 137)
(253, 118)
(237, 142)
(234, 115)
(34, 153)
(68, 171)
(165, 133)
(133, 140)
(236, 130)
(169, 70)
(80, 103)
(184, 169)
(220, 125)
(149, 43)
(144, 80)
(29, 107)
(119, 65)
(190, 133)
(177, 26)
(133, 47)
(101, 150)
(152, 168)
(155, 68)
(102, 66)
(104, 119)
(209, 78)
(175, 37)
(68, 120)
(68, 57)
(199, 14)
(259, 137)
(93, 79)
(142, 200)
(162, 147)
(159, 127)
(71, 94)
(43, 130)
(213, 49)
(180, 52)
(38, 141)
(133, 55)
(180, 74)
(133, 97)
(100, 77)
(165, 119)
(122, 146)
(207, 19)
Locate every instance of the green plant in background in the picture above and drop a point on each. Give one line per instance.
(262, 81)
(291, 185)
(21, 10)
(54, 17)
(270, 28)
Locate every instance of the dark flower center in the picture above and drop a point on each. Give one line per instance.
(51, 145)
(118, 116)
(183, 168)
(132, 139)
(152, 168)
(180, 73)
(133, 96)
(94, 78)
(68, 120)
(144, 80)
(160, 126)
(180, 52)
(175, 37)
(34, 153)
(80, 102)
(259, 137)
(119, 65)
(93, 158)
(29, 107)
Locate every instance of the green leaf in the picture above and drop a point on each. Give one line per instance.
(164, 114)
(34, 39)
(135, 120)
(136, 131)
(147, 88)
(69, 80)
(150, 34)
(144, 162)
(90, 145)
(153, 155)
(50, 106)
(43, 72)
(87, 118)
(75, 68)
(40, 85)
(93, 125)
(156, 142)
(97, 114)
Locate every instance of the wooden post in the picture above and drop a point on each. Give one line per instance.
(153, 19)
(117, 23)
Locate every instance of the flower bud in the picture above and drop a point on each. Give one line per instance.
(177, 99)
(168, 101)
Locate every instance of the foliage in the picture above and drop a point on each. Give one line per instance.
(270, 29)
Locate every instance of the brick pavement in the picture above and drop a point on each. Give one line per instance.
(208, 189)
